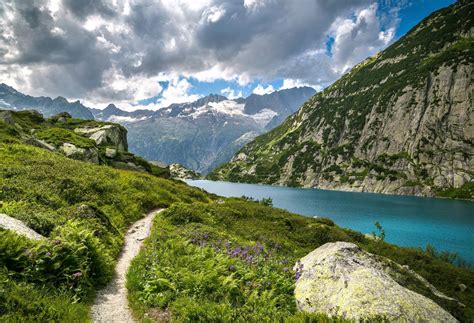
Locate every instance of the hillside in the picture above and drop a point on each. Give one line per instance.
(401, 122)
(81, 209)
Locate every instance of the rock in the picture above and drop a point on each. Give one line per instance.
(40, 143)
(110, 153)
(180, 172)
(9, 223)
(127, 166)
(110, 135)
(339, 279)
(7, 117)
(90, 155)
(61, 117)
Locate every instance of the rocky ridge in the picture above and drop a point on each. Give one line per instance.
(86, 140)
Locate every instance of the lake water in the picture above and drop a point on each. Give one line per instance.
(407, 220)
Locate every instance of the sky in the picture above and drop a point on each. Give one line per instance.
(152, 53)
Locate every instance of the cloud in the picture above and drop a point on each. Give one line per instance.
(261, 90)
(291, 83)
(117, 51)
(231, 93)
(356, 39)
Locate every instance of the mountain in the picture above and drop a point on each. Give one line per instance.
(11, 99)
(112, 113)
(206, 133)
(401, 122)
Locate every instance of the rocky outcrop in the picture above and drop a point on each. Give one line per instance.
(401, 122)
(85, 154)
(180, 172)
(9, 223)
(7, 117)
(339, 279)
(109, 135)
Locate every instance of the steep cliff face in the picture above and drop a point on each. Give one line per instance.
(401, 122)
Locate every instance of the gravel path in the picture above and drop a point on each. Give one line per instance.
(111, 304)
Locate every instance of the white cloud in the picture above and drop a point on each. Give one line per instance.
(261, 90)
(291, 83)
(176, 92)
(231, 94)
(213, 14)
(358, 38)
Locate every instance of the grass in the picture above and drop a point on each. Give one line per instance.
(207, 258)
(82, 209)
(233, 258)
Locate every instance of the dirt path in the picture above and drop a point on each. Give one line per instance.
(111, 304)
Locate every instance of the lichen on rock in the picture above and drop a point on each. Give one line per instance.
(339, 279)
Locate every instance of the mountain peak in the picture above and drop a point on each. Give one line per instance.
(111, 107)
(8, 88)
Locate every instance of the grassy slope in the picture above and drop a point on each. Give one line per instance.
(233, 259)
(43, 280)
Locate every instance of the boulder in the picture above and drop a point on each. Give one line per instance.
(40, 143)
(110, 135)
(7, 117)
(339, 279)
(110, 152)
(9, 223)
(90, 155)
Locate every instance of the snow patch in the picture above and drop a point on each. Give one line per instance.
(264, 116)
(4, 103)
(120, 119)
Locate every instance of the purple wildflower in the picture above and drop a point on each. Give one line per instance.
(231, 268)
(77, 275)
(57, 241)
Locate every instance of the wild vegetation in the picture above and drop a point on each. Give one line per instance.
(234, 258)
(82, 210)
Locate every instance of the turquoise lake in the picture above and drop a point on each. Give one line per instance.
(407, 220)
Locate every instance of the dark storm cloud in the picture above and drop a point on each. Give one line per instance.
(80, 47)
(85, 8)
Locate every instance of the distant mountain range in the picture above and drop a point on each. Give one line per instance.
(11, 99)
(206, 133)
(199, 135)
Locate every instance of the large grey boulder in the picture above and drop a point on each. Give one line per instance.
(110, 135)
(90, 154)
(339, 279)
(9, 223)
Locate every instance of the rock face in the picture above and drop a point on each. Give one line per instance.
(339, 279)
(9, 223)
(90, 154)
(401, 122)
(108, 135)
